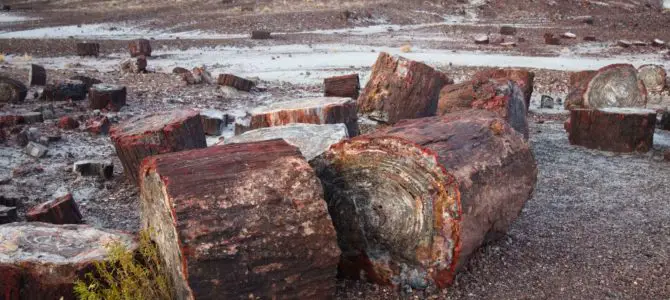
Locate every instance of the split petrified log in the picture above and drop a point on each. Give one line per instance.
(653, 77)
(218, 229)
(312, 140)
(501, 96)
(12, 90)
(612, 129)
(523, 78)
(43, 261)
(107, 96)
(412, 202)
(401, 89)
(61, 210)
(323, 110)
(236, 82)
(64, 90)
(342, 86)
(37, 75)
(615, 86)
(140, 47)
(156, 133)
(88, 49)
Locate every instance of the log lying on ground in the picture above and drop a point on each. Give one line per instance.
(501, 96)
(236, 82)
(322, 110)
(342, 86)
(400, 89)
(412, 202)
(88, 81)
(260, 35)
(42, 261)
(61, 210)
(139, 47)
(577, 85)
(615, 86)
(240, 221)
(523, 78)
(312, 140)
(64, 90)
(12, 90)
(156, 133)
(653, 77)
(612, 129)
(107, 96)
(37, 75)
(88, 49)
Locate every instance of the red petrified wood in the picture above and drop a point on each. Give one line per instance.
(523, 78)
(342, 86)
(240, 221)
(412, 202)
(156, 133)
(107, 96)
(68, 123)
(400, 89)
(612, 129)
(62, 210)
(577, 84)
(140, 47)
(236, 82)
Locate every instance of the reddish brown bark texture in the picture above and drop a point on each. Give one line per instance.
(62, 210)
(612, 129)
(401, 89)
(240, 221)
(412, 202)
(342, 86)
(156, 133)
(523, 78)
(107, 96)
(236, 82)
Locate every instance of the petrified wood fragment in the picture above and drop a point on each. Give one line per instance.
(653, 77)
(88, 49)
(61, 210)
(107, 96)
(12, 90)
(37, 75)
(260, 35)
(523, 78)
(64, 90)
(236, 82)
(139, 47)
(342, 86)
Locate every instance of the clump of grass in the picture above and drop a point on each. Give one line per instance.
(2, 57)
(127, 275)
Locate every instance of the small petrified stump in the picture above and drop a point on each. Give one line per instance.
(43, 261)
(523, 78)
(64, 90)
(412, 202)
(12, 90)
(342, 86)
(612, 129)
(400, 89)
(156, 133)
(234, 81)
(323, 110)
(213, 122)
(577, 85)
(615, 86)
(311, 139)
(88, 81)
(240, 221)
(107, 96)
(653, 77)
(100, 168)
(37, 75)
(139, 47)
(61, 210)
(503, 97)
(260, 35)
(88, 49)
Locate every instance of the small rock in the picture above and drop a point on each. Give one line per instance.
(36, 150)
(551, 39)
(202, 75)
(640, 43)
(32, 117)
(134, 65)
(8, 214)
(179, 70)
(102, 168)
(11, 90)
(88, 81)
(546, 102)
(568, 35)
(482, 39)
(658, 42)
(47, 112)
(507, 30)
(624, 43)
(27, 135)
(68, 123)
(62, 210)
(98, 125)
(590, 38)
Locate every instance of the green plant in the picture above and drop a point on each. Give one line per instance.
(127, 275)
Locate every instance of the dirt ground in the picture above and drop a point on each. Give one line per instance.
(597, 226)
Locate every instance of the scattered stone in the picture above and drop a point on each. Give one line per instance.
(37, 75)
(201, 75)
(101, 168)
(590, 38)
(658, 42)
(212, 122)
(140, 47)
(551, 39)
(260, 35)
(36, 150)
(179, 70)
(342, 86)
(639, 43)
(11, 90)
(522, 77)
(64, 90)
(629, 91)
(98, 125)
(507, 30)
(237, 82)
(88, 49)
(624, 43)
(8, 214)
(27, 135)
(653, 77)
(568, 35)
(134, 65)
(612, 129)
(262, 201)
(482, 39)
(88, 81)
(547, 102)
(107, 96)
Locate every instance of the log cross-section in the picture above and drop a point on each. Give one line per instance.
(342, 86)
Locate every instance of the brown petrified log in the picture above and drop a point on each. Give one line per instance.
(342, 86)
(612, 129)
(139, 47)
(236, 82)
(212, 122)
(653, 77)
(322, 110)
(412, 202)
(498, 95)
(88, 49)
(615, 86)
(260, 35)
(156, 133)
(43, 261)
(37, 75)
(240, 221)
(61, 210)
(12, 90)
(107, 96)
(64, 90)
(577, 85)
(523, 78)
(400, 89)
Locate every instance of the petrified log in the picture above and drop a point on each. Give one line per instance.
(615, 86)
(665, 121)
(577, 85)
(342, 86)
(12, 90)
(68, 123)
(180, 70)
(507, 30)
(134, 65)
(8, 215)
(140, 47)
(653, 77)
(43, 261)
(260, 35)
(501, 96)
(88, 81)
(523, 78)
(212, 122)
(612, 129)
(323, 110)
(101, 168)
(88, 49)
(236, 82)
(107, 96)
(412, 202)
(37, 75)
(156, 133)
(551, 39)
(312, 140)
(61, 210)
(401, 89)
(64, 90)
(218, 226)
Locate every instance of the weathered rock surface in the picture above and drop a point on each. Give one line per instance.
(615, 86)
(342, 86)
(12, 90)
(107, 96)
(522, 77)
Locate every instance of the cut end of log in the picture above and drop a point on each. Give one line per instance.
(12, 90)
(629, 91)
(653, 77)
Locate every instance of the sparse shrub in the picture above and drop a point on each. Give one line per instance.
(127, 275)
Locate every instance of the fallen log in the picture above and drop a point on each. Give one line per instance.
(64, 90)
(240, 221)
(156, 133)
(43, 261)
(12, 90)
(653, 77)
(37, 75)
(615, 86)
(400, 89)
(412, 202)
(342, 86)
(107, 96)
(323, 110)
(88, 49)
(139, 47)
(61, 210)
(612, 129)
(234, 81)
(523, 78)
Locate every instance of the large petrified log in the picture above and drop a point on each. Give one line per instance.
(522, 77)
(240, 221)
(107, 96)
(64, 90)
(61, 210)
(653, 77)
(498, 95)
(615, 86)
(139, 47)
(156, 133)
(236, 82)
(311, 139)
(577, 85)
(400, 89)
(42, 261)
(412, 202)
(322, 110)
(342, 86)
(12, 90)
(37, 75)
(88, 49)
(612, 129)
